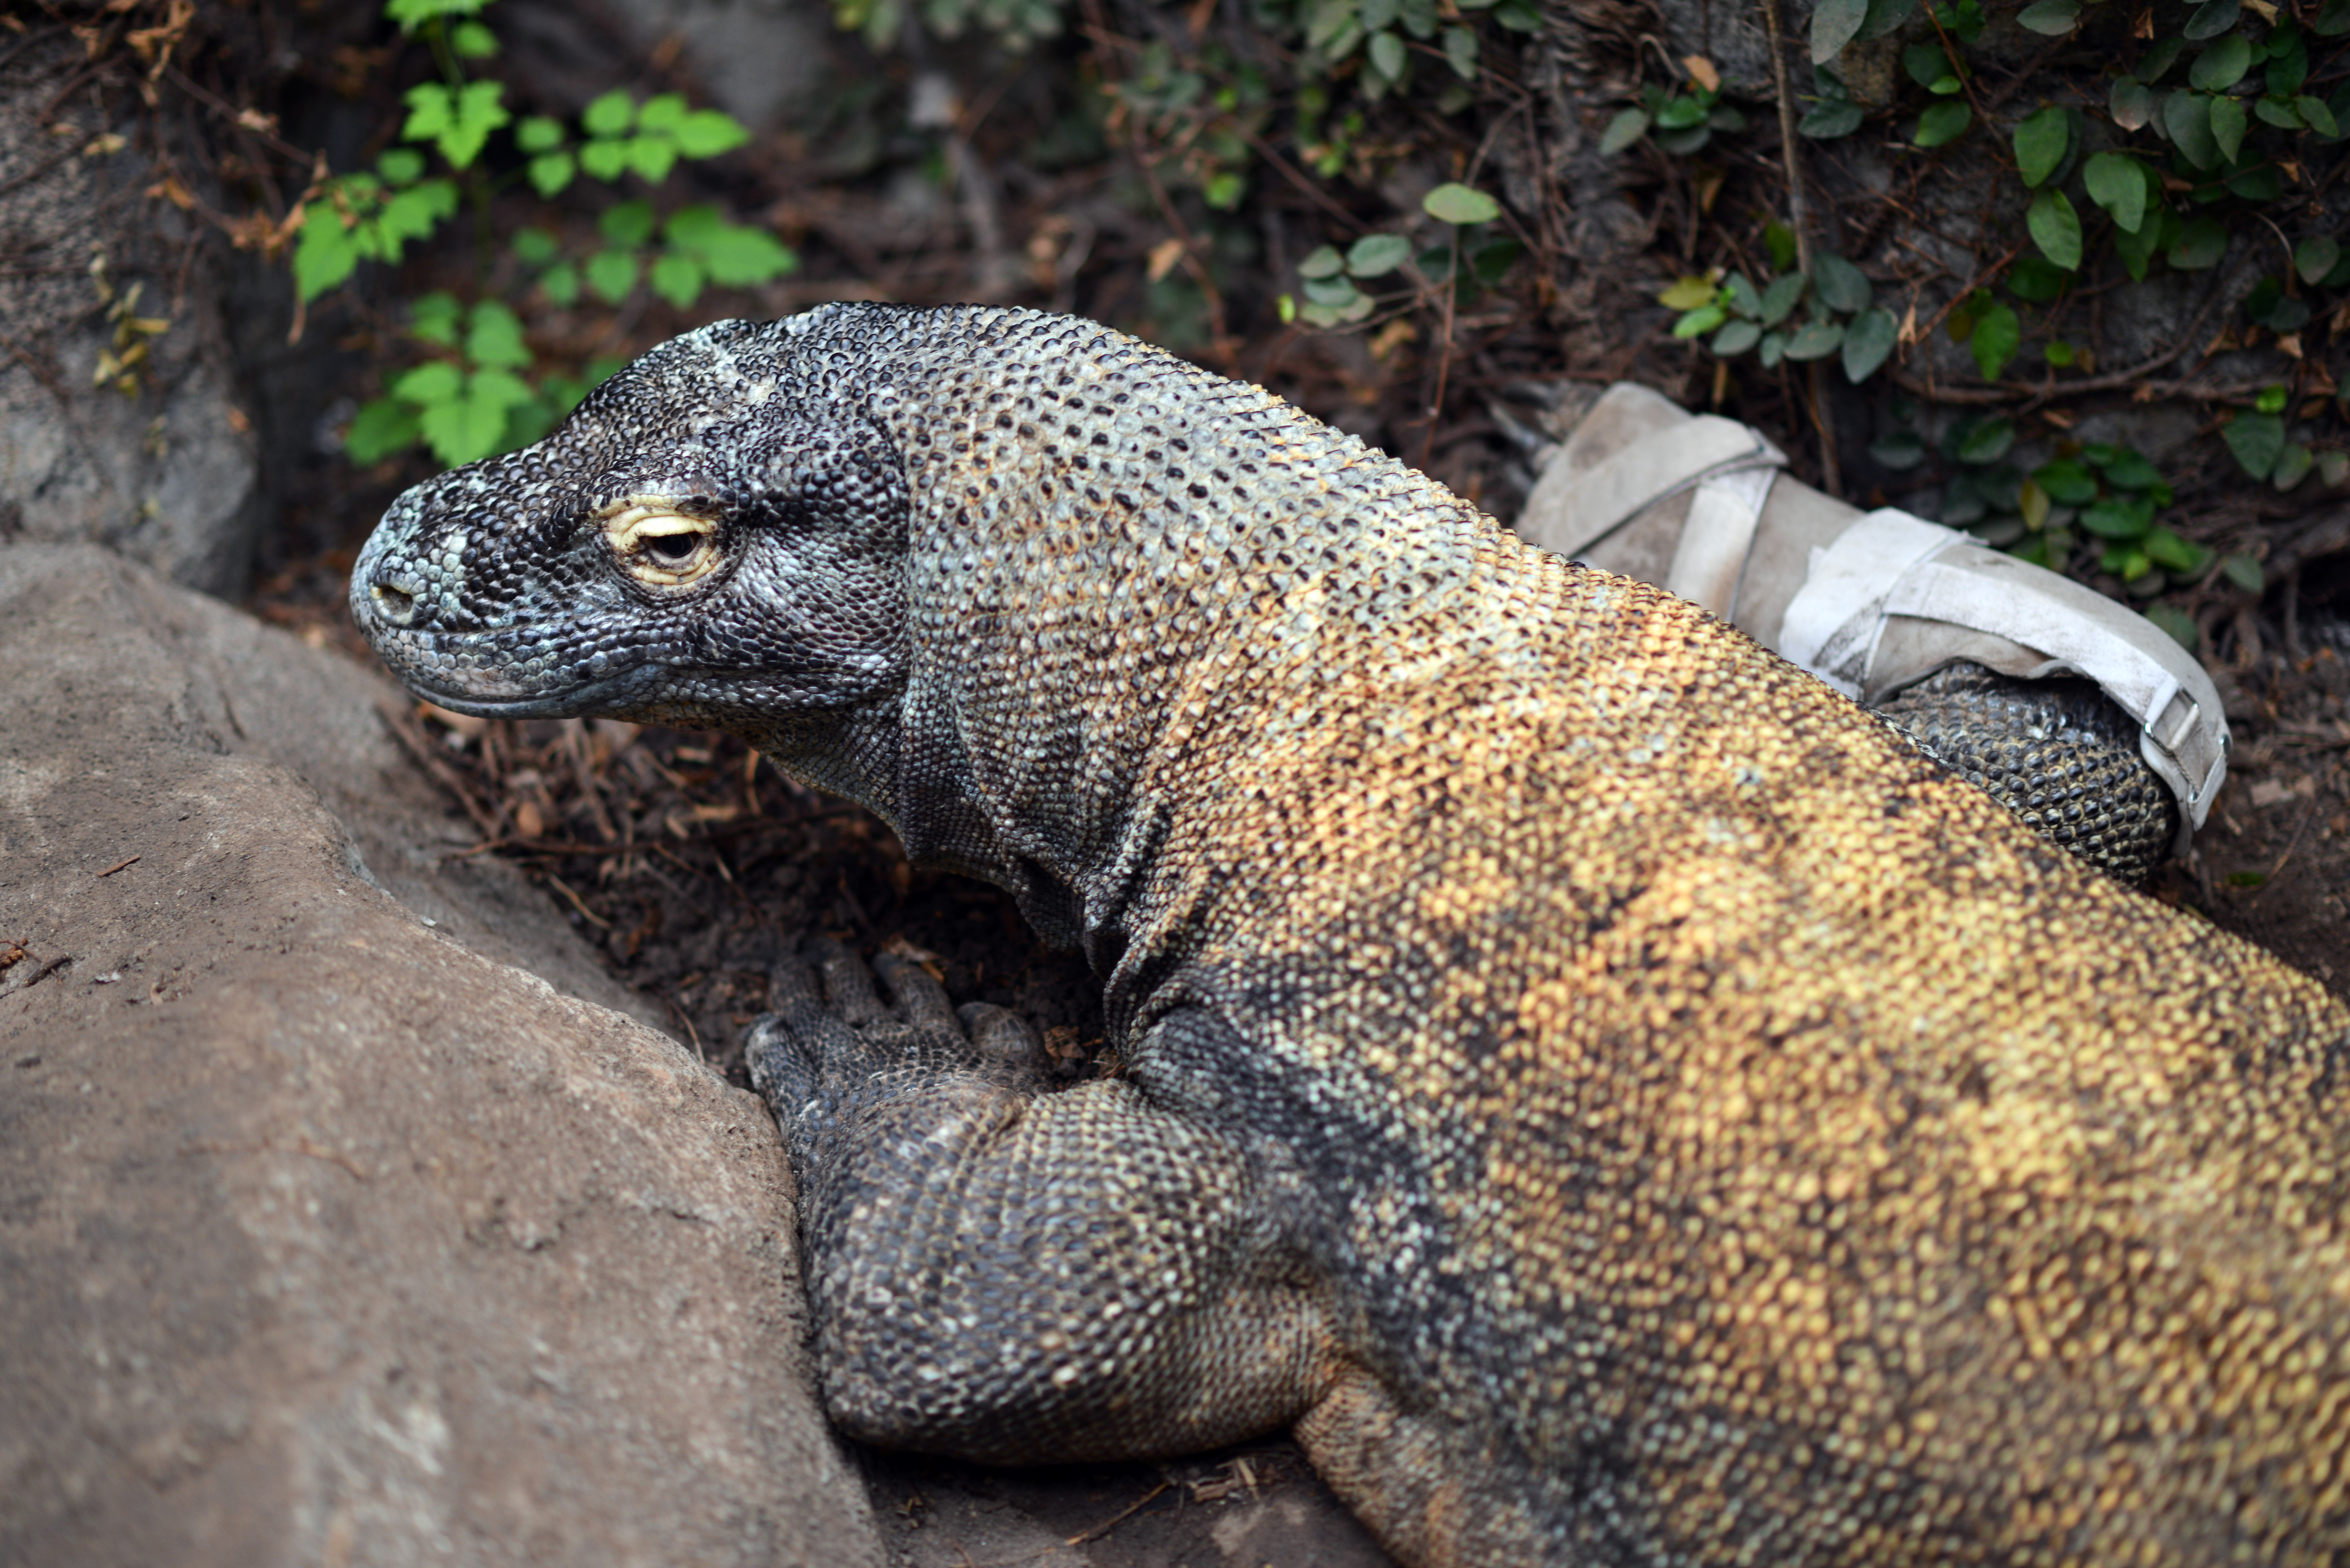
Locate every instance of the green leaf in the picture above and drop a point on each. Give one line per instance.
(2200, 245)
(2059, 353)
(609, 115)
(473, 425)
(2245, 573)
(1944, 122)
(1780, 297)
(1832, 120)
(2067, 483)
(1460, 205)
(2037, 280)
(2257, 439)
(2119, 184)
(2316, 256)
(1460, 52)
(628, 222)
(1887, 16)
(2173, 554)
(1324, 261)
(434, 381)
(2186, 115)
(2271, 400)
(1376, 256)
(2333, 19)
(663, 114)
(1867, 342)
(1816, 340)
(436, 318)
(1335, 292)
(612, 273)
(2229, 123)
(1623, 130)
(1834, 23)
(2180, 627)
(2315, 114)
(652, 156)
(2119, 517)
(1774, 344)
(535, 248)
(495, 339)
(383, 426)
(1927, 63)
(460, 124)
(1987, 442)
(2209, 20)
(607, 161)
(1997, 335)
(2052, 18)
(1736, 339)
(1841, 286)
(471, 41)
(1898, 450)
(1779, 241)
(1699, 322)
(678, 279)
(2131, 105)
(733, 256)
(538, 134)
(2129, 469)
(413, 14)
(1387, 56)
(2156, 61)
(326, 255)
(561, 283)
(2291, 467)
(2055, 227)
(550, 172)
(2222, 66)
(2040, 140)
(400, 165)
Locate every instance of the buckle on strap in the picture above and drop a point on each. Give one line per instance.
(1581, 510)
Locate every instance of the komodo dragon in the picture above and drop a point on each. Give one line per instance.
(1617, 1101)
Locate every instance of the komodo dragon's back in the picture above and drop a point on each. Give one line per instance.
(1617, 1099)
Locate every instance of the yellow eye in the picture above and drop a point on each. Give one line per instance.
(659, 544)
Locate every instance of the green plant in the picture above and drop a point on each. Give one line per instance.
(1467, 261)
(473, 393)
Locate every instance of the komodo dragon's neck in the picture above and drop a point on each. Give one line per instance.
(1125, 576)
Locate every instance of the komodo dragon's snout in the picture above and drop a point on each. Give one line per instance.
(1614, 1098)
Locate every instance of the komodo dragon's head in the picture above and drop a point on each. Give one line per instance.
(714, 538)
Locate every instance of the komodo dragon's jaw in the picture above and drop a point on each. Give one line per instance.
(710, 538)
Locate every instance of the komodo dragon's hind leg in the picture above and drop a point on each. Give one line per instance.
(1013, 1275)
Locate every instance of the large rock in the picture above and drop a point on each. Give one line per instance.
(154, 459)
(324, 1238)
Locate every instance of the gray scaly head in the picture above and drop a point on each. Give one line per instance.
(713, 539)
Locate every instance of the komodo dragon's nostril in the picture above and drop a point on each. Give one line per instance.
(395, 603)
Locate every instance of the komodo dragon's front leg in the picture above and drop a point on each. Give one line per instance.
(986, 1285)
(1064, 1306)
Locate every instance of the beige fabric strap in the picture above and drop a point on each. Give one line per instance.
(1664, 462)
(1711, 557)
(1890, 564)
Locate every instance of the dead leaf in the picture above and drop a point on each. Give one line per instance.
(1163, 257)
(1702, 72)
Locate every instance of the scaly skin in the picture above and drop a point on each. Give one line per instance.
(1615, 1099)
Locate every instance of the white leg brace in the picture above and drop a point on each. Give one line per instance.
(1871, 604)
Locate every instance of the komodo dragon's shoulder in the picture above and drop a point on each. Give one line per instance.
(1613, 1097)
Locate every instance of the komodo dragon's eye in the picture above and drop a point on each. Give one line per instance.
(657, 544)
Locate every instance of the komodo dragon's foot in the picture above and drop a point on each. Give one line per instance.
(1017, 1276)
(2076, 713)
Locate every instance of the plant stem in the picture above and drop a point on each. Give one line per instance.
(1799, 218)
